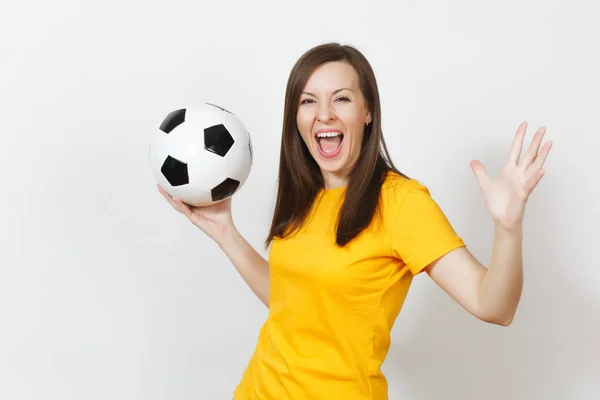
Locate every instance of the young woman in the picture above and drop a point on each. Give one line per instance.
(350, 232)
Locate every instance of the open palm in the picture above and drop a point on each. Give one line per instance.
(507, 196)
(214, 220)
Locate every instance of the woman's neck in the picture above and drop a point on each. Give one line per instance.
(334, 181)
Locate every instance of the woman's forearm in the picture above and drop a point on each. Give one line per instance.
(501, 287)
(252, 267)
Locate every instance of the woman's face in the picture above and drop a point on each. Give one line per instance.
(331, 118)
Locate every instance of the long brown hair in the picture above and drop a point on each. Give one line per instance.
(300, 178)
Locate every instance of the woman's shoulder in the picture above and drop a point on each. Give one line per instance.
(398, 184)
(399, 191)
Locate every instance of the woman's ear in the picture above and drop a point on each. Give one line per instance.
(368, 119)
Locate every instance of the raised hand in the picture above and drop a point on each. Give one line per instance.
(506, 197)
(214, 220)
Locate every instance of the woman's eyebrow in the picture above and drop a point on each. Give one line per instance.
(334, 92)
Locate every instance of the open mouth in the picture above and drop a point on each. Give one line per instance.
(329, 143)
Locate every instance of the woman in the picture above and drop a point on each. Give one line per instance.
(348, 235)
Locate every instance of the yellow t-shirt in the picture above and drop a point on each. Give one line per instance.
(331, 309)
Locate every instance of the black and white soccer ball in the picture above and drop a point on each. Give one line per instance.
(201, 154)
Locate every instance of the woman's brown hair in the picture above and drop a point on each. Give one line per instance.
(300, 178)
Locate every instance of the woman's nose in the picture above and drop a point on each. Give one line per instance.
(325, 112)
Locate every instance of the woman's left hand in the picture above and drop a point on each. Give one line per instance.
(507, 196)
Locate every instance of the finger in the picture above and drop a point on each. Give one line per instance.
(183, 208)
(166, 195)
(534, 147)
(175, 202)
(533, 181)
(517, 144)
(479, 171)
(540, 160)
(162, 191)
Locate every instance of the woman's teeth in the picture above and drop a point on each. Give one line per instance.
(328, 134)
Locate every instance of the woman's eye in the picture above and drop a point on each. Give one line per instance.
(306, 101)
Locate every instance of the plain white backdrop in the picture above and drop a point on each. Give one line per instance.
(107, 293)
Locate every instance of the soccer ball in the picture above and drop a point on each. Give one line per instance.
(201, 154)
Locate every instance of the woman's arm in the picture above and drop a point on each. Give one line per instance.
(251, 266)
(216, 221)
(491, 294)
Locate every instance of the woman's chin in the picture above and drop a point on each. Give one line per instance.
(334, 166)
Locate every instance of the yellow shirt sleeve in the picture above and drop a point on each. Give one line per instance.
(421, 233)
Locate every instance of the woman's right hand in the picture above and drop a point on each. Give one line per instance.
(214, 220)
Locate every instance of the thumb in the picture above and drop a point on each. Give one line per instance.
(479, 171)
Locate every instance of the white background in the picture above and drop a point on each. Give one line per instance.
(107, 293)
